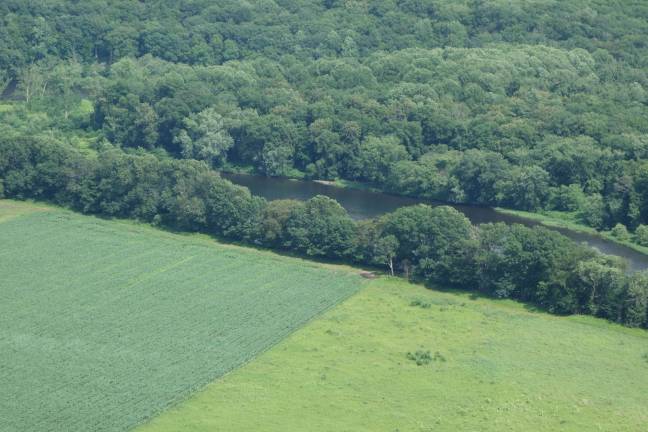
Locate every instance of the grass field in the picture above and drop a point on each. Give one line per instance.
(493, 366)
(569, 220)
(10, 209)
(103, 324)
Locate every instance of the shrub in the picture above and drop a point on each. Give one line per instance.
(641, 234)
(420, 357)
(620, 232)
(420, 303)
(423, 358)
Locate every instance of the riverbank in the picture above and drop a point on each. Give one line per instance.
(552, 219)
(363, 201)
(566, 220)
(300, 176)
(349, 184)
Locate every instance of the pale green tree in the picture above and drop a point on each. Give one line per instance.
(205, 137)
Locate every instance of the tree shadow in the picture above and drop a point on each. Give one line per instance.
(479, 295)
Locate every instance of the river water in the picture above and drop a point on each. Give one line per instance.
(362, 204)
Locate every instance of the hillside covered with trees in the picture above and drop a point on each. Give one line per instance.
(127, 109)
(526, 104)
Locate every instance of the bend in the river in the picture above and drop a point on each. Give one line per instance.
(363, 204)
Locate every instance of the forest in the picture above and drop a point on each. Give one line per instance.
(128, 109)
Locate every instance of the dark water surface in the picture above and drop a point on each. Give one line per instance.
(363, 204)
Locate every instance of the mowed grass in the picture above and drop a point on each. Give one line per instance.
(494, 366)
(104, 324)
(10, 209)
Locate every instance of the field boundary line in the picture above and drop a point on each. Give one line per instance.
(363, 285)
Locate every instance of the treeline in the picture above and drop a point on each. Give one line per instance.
(215, 31)
(435, 245)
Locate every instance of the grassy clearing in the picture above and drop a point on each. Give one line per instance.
(104, 324)
(484, 365)
(569, 220)
(556, 219)
(10, 209)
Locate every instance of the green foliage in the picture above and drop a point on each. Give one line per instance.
(636, 301)
(129, 122)
(592, 213)
(525, 188)
(600, 288)
(621, 232)
(421, 358)
(320, 227)
(420, 303)
(274, 219)
(4, 81)
(641, 234)
(568, 198)
(437, 241)
(377, 155)
(385, 251)
(205, 137)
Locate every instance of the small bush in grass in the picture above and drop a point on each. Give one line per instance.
(423, 358)
(420, 357)
(420, 303)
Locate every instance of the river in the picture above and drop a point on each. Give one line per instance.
(362, 204)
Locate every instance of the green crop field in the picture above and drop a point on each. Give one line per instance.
(103, 324)
(492, 366)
